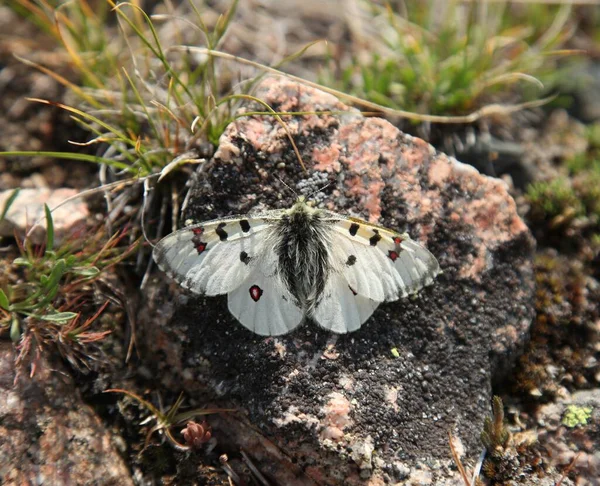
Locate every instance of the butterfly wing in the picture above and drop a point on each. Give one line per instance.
(369, 265)
(233, 256)
(341, 309)
(379, 263)
(212, 258)
(263, 304)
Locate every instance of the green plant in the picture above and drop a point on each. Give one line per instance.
(576, 416)
(46, 284)
(495, 436)
(554, 200)
(588, 161)
(149, 107)
(450, 58)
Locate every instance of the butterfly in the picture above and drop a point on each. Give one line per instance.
(279, 267)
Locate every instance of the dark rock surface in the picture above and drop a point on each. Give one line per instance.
(48, 435)
(379, 402)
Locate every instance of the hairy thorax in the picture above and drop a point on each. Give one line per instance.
(302, 255)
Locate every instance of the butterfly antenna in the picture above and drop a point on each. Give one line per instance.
(294, 192)
(319, 190)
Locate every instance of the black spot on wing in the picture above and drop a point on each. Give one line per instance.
(351, 260)
(375, 238)
(221, 232)
(245, 225)
(244, 258)
(353, 229)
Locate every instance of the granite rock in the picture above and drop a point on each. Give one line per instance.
(28, 209)
(350, 408)
(48, 435)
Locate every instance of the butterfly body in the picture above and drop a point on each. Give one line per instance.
(279, 267)
(301, 242)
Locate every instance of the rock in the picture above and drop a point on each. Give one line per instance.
(28, 209)
(48, 435)
(586, 91)
(418, 368)
(570, 433)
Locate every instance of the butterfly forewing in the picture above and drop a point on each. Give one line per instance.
(386, 265)
(212, 258)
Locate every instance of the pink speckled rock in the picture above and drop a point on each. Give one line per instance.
(48, 435)
(28, 209)
(347, 408)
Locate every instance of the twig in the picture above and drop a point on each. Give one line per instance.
(485, 111)
(254, 469)
(457, 461)
(568, 469)
(89, 192)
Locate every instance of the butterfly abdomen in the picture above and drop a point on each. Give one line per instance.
(301, 248)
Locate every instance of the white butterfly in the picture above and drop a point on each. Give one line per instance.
(279, 267)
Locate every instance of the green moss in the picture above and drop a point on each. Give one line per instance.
(593, 135)
(550, 199)
(576, 416)
(589, 161)
(495, 435)
(561, 337)
(587, 187)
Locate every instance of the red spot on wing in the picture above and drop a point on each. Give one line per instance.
(398, 240)
(393, 255)
(198, 231)
(255, 293)
(200, 247)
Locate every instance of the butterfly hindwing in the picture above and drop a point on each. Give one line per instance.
(212, 258)
(341, 309)
(264, 305)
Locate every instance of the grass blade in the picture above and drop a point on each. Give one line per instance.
(15, 330)
(59, 317)
(4, 303)
(49, 229)
(9, 203)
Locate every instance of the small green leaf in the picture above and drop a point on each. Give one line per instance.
(4, 303)
(59, 317)
(56, 274)
(22, 262)
(49, 229)
(15, 330)
(86, 271)
(9, 202)
(395, 352)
